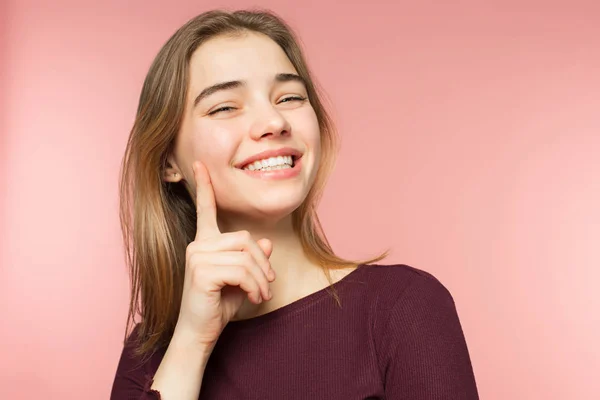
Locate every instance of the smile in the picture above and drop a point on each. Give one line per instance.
(271, 163)
(274, 168)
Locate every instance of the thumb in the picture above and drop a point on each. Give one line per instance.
(266, 245)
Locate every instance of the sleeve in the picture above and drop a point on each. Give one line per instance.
(425, 353)
(133, 381)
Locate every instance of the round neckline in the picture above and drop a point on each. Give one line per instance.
(292, 307)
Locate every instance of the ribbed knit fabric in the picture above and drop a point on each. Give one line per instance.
(397, 336)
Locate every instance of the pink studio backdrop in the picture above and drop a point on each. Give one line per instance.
(471, 141)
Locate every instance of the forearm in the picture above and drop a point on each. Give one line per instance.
(179, 375)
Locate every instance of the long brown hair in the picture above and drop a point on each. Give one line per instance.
(158, 219)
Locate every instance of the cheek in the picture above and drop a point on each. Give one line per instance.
(308, 132)
(313, 136)
(307, 125)
(215, 146)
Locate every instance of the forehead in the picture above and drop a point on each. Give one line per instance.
(251, 56)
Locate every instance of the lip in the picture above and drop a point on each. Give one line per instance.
(284, 151)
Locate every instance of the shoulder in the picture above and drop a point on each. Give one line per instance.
(412, 306)
(417, 335)
(394, 283)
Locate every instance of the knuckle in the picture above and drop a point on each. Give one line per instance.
(247, 274)
(198, 278)
(195, 260)
(189, 250)
(243, 274)
(247, 259)
(245, 235)
(194, 248)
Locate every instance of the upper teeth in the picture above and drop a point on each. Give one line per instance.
(270, 162)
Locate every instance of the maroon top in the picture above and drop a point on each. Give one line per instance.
(397, 336)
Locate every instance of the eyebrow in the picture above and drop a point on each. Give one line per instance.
(236, 84)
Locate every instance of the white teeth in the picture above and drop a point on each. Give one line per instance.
(276, 167)
(271, 163)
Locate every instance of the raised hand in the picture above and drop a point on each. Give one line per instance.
(222, 269)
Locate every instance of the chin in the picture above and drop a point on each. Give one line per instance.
(278, 208)
(273, 203)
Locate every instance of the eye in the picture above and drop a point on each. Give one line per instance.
(221, 109)
(284, 100)
(292, 98)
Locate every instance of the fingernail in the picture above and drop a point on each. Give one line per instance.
(271, 274)
(270, 294)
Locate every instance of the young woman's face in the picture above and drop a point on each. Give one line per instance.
(267, 109)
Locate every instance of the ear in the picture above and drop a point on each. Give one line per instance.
(172, 173)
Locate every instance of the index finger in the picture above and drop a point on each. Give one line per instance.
(206, 205)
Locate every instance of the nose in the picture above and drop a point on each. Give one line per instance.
(270, 122)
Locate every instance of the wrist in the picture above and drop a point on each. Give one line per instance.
(188, 341)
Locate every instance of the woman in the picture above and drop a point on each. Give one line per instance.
(232, 277)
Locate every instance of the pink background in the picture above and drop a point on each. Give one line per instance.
(471, 141)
